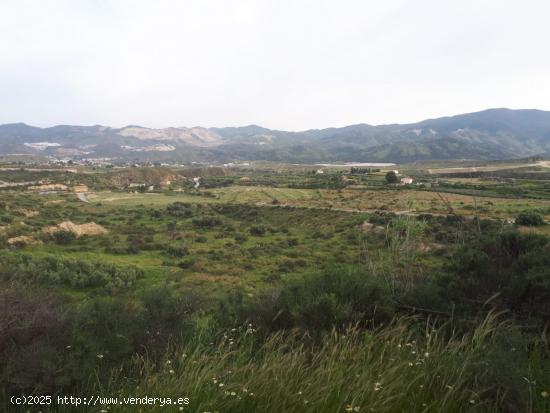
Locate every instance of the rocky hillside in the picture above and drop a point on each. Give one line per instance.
(490, 134)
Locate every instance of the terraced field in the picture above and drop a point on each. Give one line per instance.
(400, 201)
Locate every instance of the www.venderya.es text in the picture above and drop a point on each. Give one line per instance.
(95, 400)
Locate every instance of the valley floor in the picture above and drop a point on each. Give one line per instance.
(278, 290)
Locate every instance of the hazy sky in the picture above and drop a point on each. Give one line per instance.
(281, 64)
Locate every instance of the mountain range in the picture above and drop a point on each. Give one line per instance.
(485, 135)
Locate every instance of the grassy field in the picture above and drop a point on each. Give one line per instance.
(297, 291)
(365, 200)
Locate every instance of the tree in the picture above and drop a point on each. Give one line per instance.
(392, 178)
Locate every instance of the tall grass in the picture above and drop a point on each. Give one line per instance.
(407, 366)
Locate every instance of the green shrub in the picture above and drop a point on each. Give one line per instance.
(530, 219)
(257, 230)
(176, 250)
(512, 270)
(63, 237)
(207, 222)
(32, 340)
(132, 249)
(240, 238)
(180, 210)
(292, 242)
(317, 302)
(76, 273)
(186, 263)
(6, 219)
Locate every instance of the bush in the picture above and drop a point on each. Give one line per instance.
(32, 338)
(122, 250)
(169, 314)
(207, 222)
(180, 210)
(186, 263)
(291, 265)
(6, 219)
(240, 238)
(292, 242)
(530, 219)
(257, 231)
(511, 269)
(107, 331)
(176, 251)
(317, 302)
(63, 237)
(132, 249)
(23, 268)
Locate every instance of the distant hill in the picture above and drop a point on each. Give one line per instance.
(490, 134)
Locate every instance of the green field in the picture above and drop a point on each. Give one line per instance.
(297, 291)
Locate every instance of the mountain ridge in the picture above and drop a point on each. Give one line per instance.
(490, 134)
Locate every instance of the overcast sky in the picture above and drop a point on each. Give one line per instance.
(281, 64)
